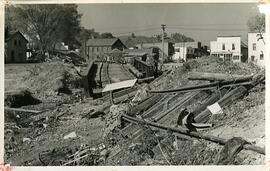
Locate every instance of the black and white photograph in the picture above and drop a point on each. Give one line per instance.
(134, 84)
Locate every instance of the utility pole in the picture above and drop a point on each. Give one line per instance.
(163, 30)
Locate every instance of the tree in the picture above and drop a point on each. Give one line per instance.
(133, 35)
(177, 37)
(256, 23)
(106, 35)
(70, 25)
(83, 36)
(48, 23)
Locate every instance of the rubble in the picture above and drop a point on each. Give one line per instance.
(117, 134)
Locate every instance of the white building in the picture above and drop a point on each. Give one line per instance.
(256, 48)
(189, 50)
(229, 48)
(179, 54)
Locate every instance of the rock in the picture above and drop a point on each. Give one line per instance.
(26, 139)
(70, 135)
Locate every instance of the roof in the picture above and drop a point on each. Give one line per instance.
(223, 52)
(229, 36)
(102, 42)
(12, 34)
(119, 85)
(138, 52)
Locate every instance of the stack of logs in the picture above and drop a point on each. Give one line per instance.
(231, 88)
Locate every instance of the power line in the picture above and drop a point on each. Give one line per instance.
(211, 24)
(137, 27)
(205, 29)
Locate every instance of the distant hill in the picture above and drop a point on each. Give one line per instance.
(130, 41)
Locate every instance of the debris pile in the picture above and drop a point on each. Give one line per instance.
(204, 112)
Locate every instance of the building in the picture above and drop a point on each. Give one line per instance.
(189, 50)
(98, 47)
(168, 48)
(256, 48)
(15, 47)
(229, 48)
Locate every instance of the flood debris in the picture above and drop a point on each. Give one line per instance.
(168, 121)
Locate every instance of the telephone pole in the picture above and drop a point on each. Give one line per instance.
(163, 30)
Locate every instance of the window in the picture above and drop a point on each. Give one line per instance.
(20, 43)
(15, 42)
(227, 57)
(233, 46)
(252, 58)
(97, 49)
(254, 46)
(223, 46)
(236, 57)
(261, 56)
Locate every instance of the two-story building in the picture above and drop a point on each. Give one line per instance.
(98, 47)
(256, 48)
(15, 47)
(229, 48)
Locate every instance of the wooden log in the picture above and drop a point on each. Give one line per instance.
(204, 86)
(184, 131)
(229, 98)
(146, 104)
(23, 110)
(186, 100)
(217, 76)
(214, 97)
(131, 128)
(145, 79)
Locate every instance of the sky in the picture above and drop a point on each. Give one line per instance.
(201, 21)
